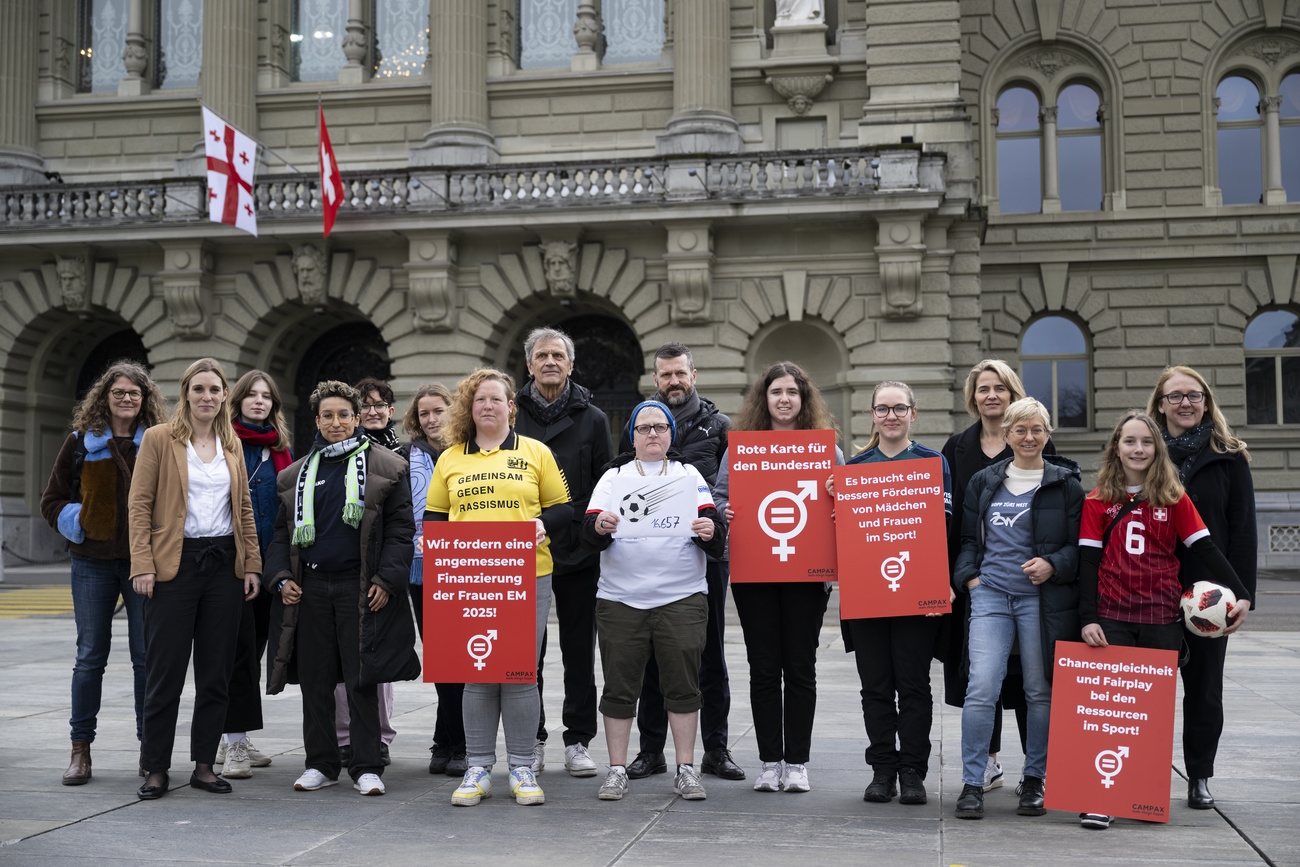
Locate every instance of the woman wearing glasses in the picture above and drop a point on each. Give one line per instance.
(782, 620)
(893, 653)
(85, 500)
(1214, 467)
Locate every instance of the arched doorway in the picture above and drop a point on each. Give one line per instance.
(820, 352)
(123, 345)
(609, 362)
(346, 352)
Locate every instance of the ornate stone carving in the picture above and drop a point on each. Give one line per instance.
(505, 29)
(690, 271)
(280, 45)
(799, 91)
(354, 42)
(900, 249)
(1047, 114)
(187, 289)
(798, 11)
(73, 282)
(432, 288)
(311, 268)
(1270, 103)
(560, 263)
(1270, 49)
(63, 56)
(586, 29)
(134, 56)
(1050, 61)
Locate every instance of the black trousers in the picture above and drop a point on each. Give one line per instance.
(199, 609)
(652, 717)
(575, 609)
(782, 622)
(244, 710)
(449, 724)
(893, 657)
(329, 645)
(1157, 636)
(1203, 703)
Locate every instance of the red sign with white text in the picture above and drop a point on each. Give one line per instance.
(480, 611)
(782, 529)
(1111, 740)
(892, 536)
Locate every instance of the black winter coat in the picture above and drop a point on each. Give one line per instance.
(1221, 488)
(1056, 511)
(580, 441)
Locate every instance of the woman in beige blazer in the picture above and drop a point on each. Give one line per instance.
(195, 559)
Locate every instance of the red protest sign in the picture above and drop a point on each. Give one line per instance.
(1112, 735)
(782, 529)
(892, 537)
(480, 613)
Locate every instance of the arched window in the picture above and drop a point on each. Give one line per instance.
(1273, 368)
(1019, 140)
(1054, 367)
(1079, 148)
(1240, 141)
(1289, 122)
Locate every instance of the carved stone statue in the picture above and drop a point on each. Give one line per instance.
(312, 270)
(72, 281)
(798, 11)
(559, 259)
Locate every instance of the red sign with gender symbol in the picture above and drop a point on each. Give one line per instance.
(1111, 740)
(782, 529)
(892, 535)
(480, 609)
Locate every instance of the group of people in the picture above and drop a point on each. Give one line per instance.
(224, 547)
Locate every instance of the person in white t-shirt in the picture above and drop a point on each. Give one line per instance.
(651, 599)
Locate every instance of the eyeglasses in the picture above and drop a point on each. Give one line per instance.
(1026, 431)
(644, 429)
(343, 417)
(1174, 398)
(123, 394)
(373, 407)
(884, 411)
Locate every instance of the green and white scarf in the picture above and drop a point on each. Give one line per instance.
(304, 507)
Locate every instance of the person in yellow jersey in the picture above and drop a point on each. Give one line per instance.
(524, 483)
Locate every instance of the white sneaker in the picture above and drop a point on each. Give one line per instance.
(687, 784)
(524, 788)
(539, 757)
(1096, 821)
(312, 779)
(578, 761)
(769, 779)
(238, 766)
(256, 757)
(993, 777)
(369, 784)
(476, 786)
(795, 778)
(615, 785)
(221, 752)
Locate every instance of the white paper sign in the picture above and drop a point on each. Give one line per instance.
(654, 505)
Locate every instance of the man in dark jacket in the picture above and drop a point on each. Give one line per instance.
(340, 562)
(702, 441)
(559, 412)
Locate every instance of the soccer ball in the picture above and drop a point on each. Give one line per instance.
(633, 507)
(1206, 607)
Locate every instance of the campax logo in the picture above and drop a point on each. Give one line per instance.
(932, 603)
(821, 573)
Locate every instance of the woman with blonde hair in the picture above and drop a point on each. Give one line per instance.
(86, 501)
(195, 559)
(1214, 467)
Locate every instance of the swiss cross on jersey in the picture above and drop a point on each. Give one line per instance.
(232, 162)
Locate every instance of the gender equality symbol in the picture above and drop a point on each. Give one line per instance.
(480, 648)
(1109, 763)
(776, 521)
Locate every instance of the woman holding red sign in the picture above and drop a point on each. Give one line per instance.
(893, 653)
(782, 620)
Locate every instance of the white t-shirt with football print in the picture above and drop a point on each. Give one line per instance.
(651, 571)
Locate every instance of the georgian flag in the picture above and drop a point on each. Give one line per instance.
(331, 184)
(232, 161)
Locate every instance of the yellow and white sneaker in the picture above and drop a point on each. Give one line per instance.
(476, 786)
(524, 788)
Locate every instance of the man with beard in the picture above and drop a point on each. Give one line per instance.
(559, 412)
(702, 441)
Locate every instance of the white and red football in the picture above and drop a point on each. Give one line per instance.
(1206, 607)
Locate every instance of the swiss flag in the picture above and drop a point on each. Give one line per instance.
(331, 185)
(1160, 514)
(232, 162)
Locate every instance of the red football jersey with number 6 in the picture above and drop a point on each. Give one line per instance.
(1138, 579)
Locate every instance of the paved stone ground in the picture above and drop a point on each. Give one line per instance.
(265, 822)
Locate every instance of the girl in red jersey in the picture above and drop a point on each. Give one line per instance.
(1129, 583)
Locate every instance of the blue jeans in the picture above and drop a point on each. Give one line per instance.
(95, 588)
(997, 619)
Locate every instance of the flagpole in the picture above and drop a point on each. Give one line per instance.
(295, 169)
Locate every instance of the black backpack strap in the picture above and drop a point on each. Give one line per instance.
(1132, 504)
(78, 458)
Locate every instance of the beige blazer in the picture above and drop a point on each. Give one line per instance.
(158, 503)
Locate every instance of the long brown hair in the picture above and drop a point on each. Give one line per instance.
(814, 414)
(1222, 440)
(411, 421)
(459, 426)
(182, 425)
(92, 414)
(875, 431)
(1160, 487)
(245, 386)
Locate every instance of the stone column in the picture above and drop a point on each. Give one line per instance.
(355, 46)
(1051, 178)
(702, 121)
(135, 57)
(19, 162)
(458, 52)
(1274, 191)
(586, 32)
(229, 78)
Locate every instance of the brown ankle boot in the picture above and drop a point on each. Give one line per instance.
(78, 772)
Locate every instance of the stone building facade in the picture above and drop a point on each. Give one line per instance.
(874, 188)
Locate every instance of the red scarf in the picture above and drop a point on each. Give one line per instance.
(280, 458)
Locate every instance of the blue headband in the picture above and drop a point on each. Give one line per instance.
(652, 404)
